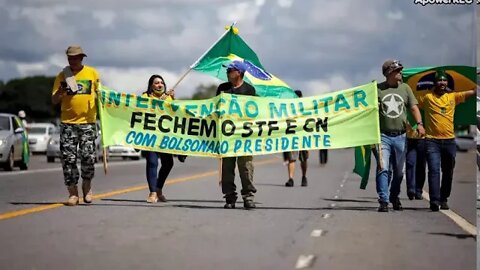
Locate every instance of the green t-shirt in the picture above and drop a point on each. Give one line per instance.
(394, 104)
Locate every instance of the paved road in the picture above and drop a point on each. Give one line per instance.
(331, 224)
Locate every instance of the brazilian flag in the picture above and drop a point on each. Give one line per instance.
(26, 146)
(231, 47)
(363, 157)
(421, 80)
(460, 78)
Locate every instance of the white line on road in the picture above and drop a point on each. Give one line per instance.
(335, 197)
(112, 164)
(460, 221)
(332, 205)
(317, 233)
(325, 216)
(305, 261)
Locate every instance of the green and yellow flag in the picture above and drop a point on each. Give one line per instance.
(460, 78)
(421, 80)
(231, 47)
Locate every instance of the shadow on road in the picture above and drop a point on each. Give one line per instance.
(349, 200)
(456, 235)
(143, 201)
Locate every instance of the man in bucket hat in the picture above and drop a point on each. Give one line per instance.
(75, 89)
(394, 98)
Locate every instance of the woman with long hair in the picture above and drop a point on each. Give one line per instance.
(157, 89)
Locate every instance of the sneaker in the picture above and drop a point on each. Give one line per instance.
(304, 181)
(248, 204)
(444, 206)
(162, 198)
(230, 203)
(411, 195)
(434, 207)
(152, 197)
(181, 158)
(383, 207)
(418, 197)
(289, 183)
(397, 205)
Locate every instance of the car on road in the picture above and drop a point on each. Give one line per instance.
(39, 134)
(53, 147)
(465, 142)
(125, 152)
(12, 144)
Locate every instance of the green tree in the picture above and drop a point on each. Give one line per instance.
(205, 91)
(31, 94)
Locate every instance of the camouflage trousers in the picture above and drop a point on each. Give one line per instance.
(77, 140)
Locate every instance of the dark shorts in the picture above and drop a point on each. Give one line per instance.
(292, 156)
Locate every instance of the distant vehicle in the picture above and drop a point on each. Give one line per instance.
(124, 152)
(38, 136)
(465, 142)
(53, 147)
(11, 142)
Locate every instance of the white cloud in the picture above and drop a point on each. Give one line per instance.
(135, 80)
(285, 3)
(106, 18)
(312, 45)
(395, 15)
(334, 82)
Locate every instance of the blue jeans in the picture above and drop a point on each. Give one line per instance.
(393, 159)
(440, 154)
(415, 164)
(156, 182)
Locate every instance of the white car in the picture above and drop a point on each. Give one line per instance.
(11, 142)
(39, 134)
(124, 152)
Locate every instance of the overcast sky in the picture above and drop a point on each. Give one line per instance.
(316, 46)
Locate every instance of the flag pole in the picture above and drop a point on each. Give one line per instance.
(102, 133)
(220, 161)
(198, 60)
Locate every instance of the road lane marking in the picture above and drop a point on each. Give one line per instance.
(111, 164)
(23, 212)
(325, 216)
(317, 233)
(332, 205)
(305, 261)
(460, 221)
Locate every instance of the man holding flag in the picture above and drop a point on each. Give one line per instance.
(236, 85)
(394, 99)
(439, 106)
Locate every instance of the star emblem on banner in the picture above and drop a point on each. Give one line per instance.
(392, 105)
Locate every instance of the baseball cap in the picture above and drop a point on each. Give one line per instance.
(440, 74)
(391, 65)
(74, 50)
(238, 65)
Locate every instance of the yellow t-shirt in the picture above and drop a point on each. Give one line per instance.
(439, 111)
(80, 107)
(153, 96)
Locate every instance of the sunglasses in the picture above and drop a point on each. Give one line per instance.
(395, 64)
